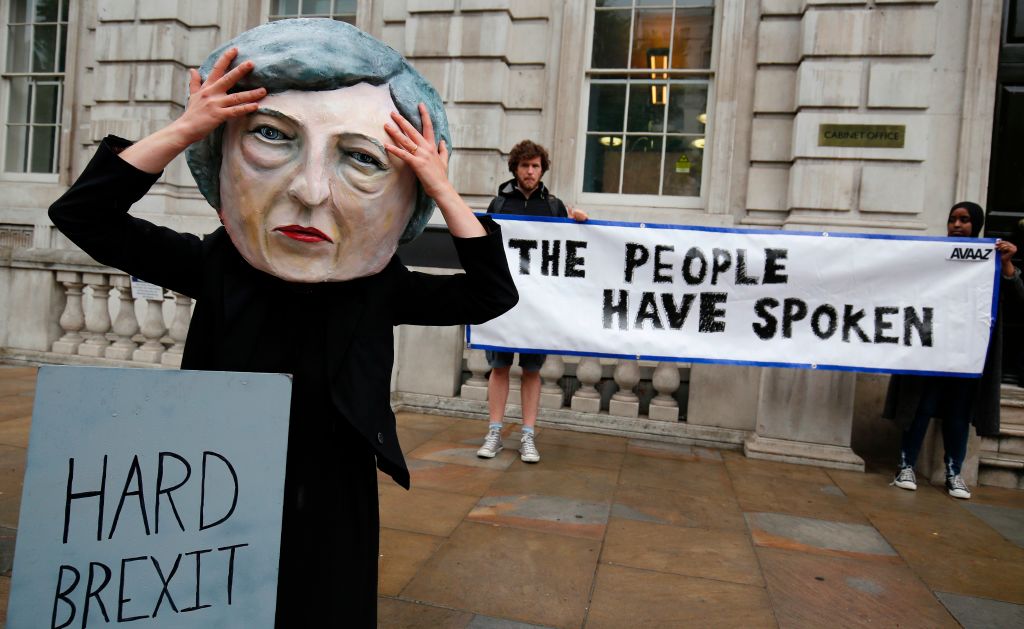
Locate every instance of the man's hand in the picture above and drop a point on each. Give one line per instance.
(576, 214)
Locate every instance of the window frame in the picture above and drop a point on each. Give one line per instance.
(65, 111)
(587, 73)
(359, 15)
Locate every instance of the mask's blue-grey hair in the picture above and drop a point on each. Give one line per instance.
(317, 54)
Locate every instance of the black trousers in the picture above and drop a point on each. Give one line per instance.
(330, 532)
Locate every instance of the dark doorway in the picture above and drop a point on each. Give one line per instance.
(1006, 174)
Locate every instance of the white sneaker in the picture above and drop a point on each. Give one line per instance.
(528, 450)
(957, 488)
(905, 478)
(492, 444)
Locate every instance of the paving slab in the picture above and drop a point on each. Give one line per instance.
(1008, 521)
(451, 477)
(554, 514)
(809, 590)
(665, 450)
(581, 440)
(840, 539)
(407, 615)
(421, 510)
(463, 454)
(703, 477)
(708, 553)
(401, 555)
(423, 421)
(982, 613)
(824, 501)
(678, 507)
(627, 597)
(510, 573)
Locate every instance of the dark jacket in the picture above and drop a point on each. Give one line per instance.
(230, 306)
(904, 392)
(512, 201)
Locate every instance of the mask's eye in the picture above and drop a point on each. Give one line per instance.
(270, 133)
(366, 159)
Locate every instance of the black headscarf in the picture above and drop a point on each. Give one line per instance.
(977, 216)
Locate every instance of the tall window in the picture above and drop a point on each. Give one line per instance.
(342, 10)
(648, 78)
(33, 80)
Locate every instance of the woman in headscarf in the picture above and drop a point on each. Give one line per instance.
(913, 400)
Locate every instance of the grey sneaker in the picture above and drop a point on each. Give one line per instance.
(492, 444)
(905, 478)
(528, 450)
(956, 487)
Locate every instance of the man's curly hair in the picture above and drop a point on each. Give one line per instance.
(528, 150)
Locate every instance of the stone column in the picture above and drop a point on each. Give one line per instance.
(72, 320)
(624, 402)
(587, 399)
(178, 330)
(476, 387)
(153, 328)
(126, 324)
(97, 320)
(551, 395)
(805, 416)
(666, 382)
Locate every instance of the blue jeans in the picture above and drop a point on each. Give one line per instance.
(956, 395)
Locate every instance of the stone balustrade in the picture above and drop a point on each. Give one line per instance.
(635, 389)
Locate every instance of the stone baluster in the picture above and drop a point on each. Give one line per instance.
(476, 387)
(624, 402)
(666, 382)
(587, 399)
(153, 328)
(515, 385)
(126, 323)
(72, 319)
(97, 318)
(179, 329)
(551, 395)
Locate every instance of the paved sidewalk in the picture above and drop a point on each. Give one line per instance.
(613, 532)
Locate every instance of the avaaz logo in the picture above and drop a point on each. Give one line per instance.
(970, 254)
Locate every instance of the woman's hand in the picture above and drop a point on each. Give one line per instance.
(209, 106)
(1006, 251)
(418, 151)
(429, 162)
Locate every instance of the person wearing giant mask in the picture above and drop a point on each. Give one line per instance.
(321, 150)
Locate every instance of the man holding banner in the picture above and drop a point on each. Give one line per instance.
(523, 195)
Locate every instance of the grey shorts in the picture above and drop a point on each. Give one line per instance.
(529, 362)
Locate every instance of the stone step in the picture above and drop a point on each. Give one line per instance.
(1011, 415)
(1001, 470)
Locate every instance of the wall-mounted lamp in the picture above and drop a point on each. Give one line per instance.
(608, 140)
(703, 118)
(698, 143)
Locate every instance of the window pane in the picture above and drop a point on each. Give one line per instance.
(611, 39)
(63, 52)
(42, 149)
(17, 149)
(316, 7)
(43, 48)
(683, 162)
(46, 10)
(345, 6)
(654, 3)
(601, 169)
(647, 107)
(47, 102)
(18, 46)
(651, 33)
(613, 3)
(18, 100)
(64, 10)
(691, 47)
(284, 7)
(607, 104)
(20, 10)
(643, 154)
(687, 107)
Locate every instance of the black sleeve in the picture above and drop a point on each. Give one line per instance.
(492, 206)
(561, 211)
(1013, 285)
(93, 214)
(483, 292)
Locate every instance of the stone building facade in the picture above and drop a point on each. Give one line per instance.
(693, 112)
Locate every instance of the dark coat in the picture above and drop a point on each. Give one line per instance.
(513, 201)
(904, 392)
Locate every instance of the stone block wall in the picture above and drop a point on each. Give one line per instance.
(847, 62)
(493, 61)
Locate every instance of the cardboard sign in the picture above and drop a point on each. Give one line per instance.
(151, 497)
(864, 302)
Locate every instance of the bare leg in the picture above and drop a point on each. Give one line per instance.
(497, 394)
(530, 397)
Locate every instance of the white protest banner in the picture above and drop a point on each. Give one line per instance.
(152, 497)
(897, 304)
